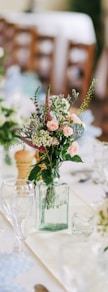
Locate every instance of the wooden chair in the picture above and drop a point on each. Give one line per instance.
(23, 47)
(101, 89)
(44, 54)
(79, 66)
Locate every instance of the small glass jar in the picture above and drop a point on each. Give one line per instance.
(52, 206)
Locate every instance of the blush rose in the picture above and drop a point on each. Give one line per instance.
(52, 125)
(75, 119)
(67, 131)
(73, 149)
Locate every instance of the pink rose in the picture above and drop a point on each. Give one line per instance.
(75, 119)
(73, 149)
(52, 125)
(67, 131)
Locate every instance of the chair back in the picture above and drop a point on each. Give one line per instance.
(79, 67)
(23, 47)
(44, 54)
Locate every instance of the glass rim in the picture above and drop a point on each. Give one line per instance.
(16, 181)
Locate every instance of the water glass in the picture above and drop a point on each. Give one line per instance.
(17, 201)
(82, 223)
(100, 171)
(98, 162)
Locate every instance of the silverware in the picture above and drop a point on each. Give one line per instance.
(40, 288)
(84, 179)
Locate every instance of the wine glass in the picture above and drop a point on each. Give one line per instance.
(17, 201)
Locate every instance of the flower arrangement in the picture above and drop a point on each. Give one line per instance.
(54, 131)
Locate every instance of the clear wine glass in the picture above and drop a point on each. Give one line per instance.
(17, 201)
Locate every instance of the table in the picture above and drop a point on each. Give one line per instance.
(43, 247)
(46, 269)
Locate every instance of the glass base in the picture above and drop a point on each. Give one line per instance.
(52, 206)
(53, 227)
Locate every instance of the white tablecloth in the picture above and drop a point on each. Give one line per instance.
(43, 247)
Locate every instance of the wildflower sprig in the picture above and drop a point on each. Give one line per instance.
(88, 97)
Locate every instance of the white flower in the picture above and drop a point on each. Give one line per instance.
(20, 104)
(16, 118)
(42, 138)
(59, 105)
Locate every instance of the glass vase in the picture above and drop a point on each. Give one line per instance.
(52, 204)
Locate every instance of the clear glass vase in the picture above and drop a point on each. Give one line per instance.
(52, 206)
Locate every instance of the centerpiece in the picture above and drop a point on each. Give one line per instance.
(53, 131)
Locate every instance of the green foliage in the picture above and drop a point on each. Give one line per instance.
(8, 124)
(35, 173)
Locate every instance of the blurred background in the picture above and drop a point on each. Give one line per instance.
(59, 42)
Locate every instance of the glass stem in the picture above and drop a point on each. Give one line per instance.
(19, 237)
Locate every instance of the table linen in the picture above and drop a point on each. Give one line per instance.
(43, 247)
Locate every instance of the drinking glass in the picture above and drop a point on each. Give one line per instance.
(17, 200)
(82, 223)
(100, 168)
(97, 173)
